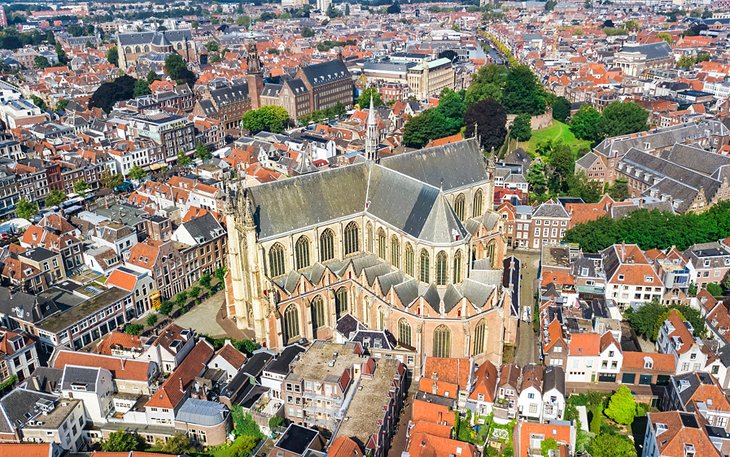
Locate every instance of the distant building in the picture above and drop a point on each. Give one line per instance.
(637, 60)
(132, 46)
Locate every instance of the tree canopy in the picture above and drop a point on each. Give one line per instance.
(537, 178)
(109, 93)
(26, 209)
(607, 445)
(177, 69)
(521, 129)
(586, 124)
(649, 317)
(269, 118)
(55, 198)
(364, 99)
(622, 406)
(490, 119)
(123, 441)
(622, 118)
(428, 125)
(653, 229)
(523, 94)
(112, 56)
(561, 109)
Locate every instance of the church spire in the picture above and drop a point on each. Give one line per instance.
(253, 62)
(371, 140)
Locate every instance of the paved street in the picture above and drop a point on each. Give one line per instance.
(527, 344)
(398, 443)
(208, 318)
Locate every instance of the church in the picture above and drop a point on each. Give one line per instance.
(407, 244)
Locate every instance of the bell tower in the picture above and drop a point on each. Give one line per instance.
(371, 139)
(254, 76)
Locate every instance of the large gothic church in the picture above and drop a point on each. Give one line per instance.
(406, 244)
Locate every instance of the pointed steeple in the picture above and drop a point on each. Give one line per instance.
(371, 140)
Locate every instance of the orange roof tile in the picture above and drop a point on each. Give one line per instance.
(585, 344)
(131, 370)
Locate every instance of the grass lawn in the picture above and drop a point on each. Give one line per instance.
(556, 132)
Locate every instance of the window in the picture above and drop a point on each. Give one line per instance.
(479, 332)
(317, 312)
(404, 333)
(477, 204)
(381, 243)
(457, 267)
(441, 342)
(276, 260)
(425, 275)
(352, 238)
(459, 207)
(441, 269)
(341, 302)
(409, 260)
(302, 252)
(370, 237)
(395, 252)
(291, 323)
(327, 245)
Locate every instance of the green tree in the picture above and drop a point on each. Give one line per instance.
(108, 93)
(490, 120)
(478, 92)
(364, 99)
(202, 152)
(686, 61)
(307, 32)
(136, 173)
(39, 102)
(61, 55)
(152, 76)
(55, 198)
(622, 406)
(248, 346)
(141, 87)
(166, 307)
(133, 329)
(521, 129)
(212, 46)
(586, 124)
(26, 209)
(607, 445)
(151, 320)
(595, 425)
(81, 186)
(666, 37)
(123, 441)
(220, 274)
(110, 180)
(619, 191)
(177, 444)
(112, 56)
(632, 25)
(183, 159)
(622, 118)
(580, 186)
(523, 93)
(205, 280)
(692, 289)
(562, 168)
(177, 69)
(41, 62)
(269, 118)
(347, 9)
(452, 106)
(276, 422)
(647, 319)
(536, 177)
(429, 125)
(194, 292)
(548, 446)
(394, 8)
(561, 109)
(714, 289)
(62, 104)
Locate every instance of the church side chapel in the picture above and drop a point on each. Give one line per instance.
(405, 244)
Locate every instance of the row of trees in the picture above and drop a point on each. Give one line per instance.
(653, 229)
(618, 118)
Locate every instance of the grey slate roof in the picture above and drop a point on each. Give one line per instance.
(400, 191)
(326, 72)
(651, 51)
(202, 412)
(204, 228)
(86, 377)
(554, 378)
(24, 306)
(148, 37)
(551, 210)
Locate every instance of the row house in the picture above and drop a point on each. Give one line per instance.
(21, 270)
(676, 433)
(676, 338)
(18, 355)
(593, 358)
(164, 262)
(170, 133)
(9, 195)
(448, 377)
(56, 234)
(708, 262)
(698, 392)
(630, 277)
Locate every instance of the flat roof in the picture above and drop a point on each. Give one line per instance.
(315, 364)
(65, 319)
(296, 439)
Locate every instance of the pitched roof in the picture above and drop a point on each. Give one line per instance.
(674, 430)
(27, 450)
(585, 344)
(452, 370)
(121, 368)
(485, 382)
(173, 390)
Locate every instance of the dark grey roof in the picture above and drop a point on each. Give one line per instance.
(202, 412)
(695, 158)
(296, 439)
(148, 37)
(448, 167)
(296, 85)
(282, 363)
(26, 307)
(326, 72)
(84, 378)
(19, 406)
(271, 90)
(554, 378)
(231, 93)
(378, 339)
(651, 51)
(551, 210)
(686, 384)
(204, 228)
(207, 106)
(256, 363)
(347, 325)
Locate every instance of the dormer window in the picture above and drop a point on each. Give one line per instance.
(620, 277)
(648, 278)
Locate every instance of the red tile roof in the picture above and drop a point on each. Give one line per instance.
(130, 370)
(173, 390)
(585, 344)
